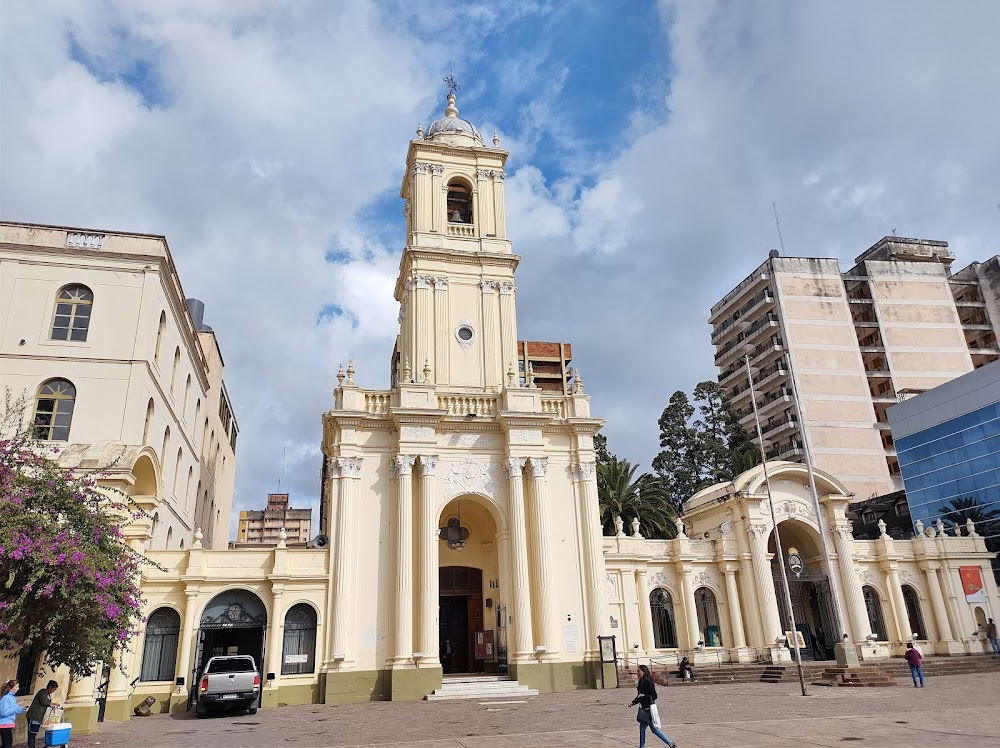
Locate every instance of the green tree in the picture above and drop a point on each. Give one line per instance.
(68, 583)
(957, 511)
(622, 494)
(601, 448)
(679, 462)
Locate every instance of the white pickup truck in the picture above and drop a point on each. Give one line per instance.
(231, 681)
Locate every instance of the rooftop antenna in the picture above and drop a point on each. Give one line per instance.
(282, 468)
(777, 224)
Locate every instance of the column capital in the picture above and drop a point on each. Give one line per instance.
(499, 176)
(349, 467)
(757, 532)
(513, 466)
(420, 168)
(437, 169)
(482, 174)
(402, 465)
(538, 466)
(487, 286)
(428, 463)
(423, 281)
(440, 282)
(583, 471)
(507, 288)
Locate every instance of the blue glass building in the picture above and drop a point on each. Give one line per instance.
(948, 444)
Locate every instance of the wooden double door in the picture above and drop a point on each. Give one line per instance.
(460, 616)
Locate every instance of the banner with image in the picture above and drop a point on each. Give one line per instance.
(972, 584)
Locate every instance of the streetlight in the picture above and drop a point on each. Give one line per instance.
(777, 534)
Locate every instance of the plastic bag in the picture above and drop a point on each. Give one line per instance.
(53, 716)
(655, 714)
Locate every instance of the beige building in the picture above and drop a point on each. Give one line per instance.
(265, 525)
(855, 342)
(463, 505)
(96, 334)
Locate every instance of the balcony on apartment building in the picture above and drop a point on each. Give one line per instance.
(778, 425)
(747, 337)
(747, 286)
(763, 379)
(768, 405)
(787, 450)
(746, 313)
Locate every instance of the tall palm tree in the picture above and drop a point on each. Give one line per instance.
(622, 494)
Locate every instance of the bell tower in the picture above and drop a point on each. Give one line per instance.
(456, 277)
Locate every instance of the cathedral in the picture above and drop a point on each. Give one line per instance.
(461, 534)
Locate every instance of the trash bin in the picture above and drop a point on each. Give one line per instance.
(58, 734)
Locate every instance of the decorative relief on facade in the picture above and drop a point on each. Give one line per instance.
(507, 287)
(525, 435)
(867, 577)
(465, 334)
(428, 463)
(472, 440)
(703, 579)
(416, 432)
(726, 528)
(906, 577)
(468, 476)
(513, 466)
(537, 466)
(794, 509)
(659, 579)
(350, 467)
(437, 169)
(612, 586)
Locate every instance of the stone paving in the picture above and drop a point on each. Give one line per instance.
(960, 710)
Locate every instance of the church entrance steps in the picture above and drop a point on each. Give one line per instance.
(855, 677)
(479, 687)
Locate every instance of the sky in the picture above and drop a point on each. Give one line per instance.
(266, 140)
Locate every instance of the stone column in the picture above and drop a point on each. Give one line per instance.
(945, 633)
(403, 465)
(749, 591)
(508, 324)
(344, 591)
(645, 611)
(442, 365)
(951, 600)
(735, 610)
(482, 218)
(424, 308)
(520, 601)
(547, 635)
(437, 205)
(183, 666)
(420, 207)
(854, 597)
(427, 569)
(898, 605)
(770, 621)
(493, 368)
(334, 495)
(498, 205)
(81, 690)
(598, 619)
(275, 633)
(690, 612)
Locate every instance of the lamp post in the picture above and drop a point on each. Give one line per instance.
(777, 534)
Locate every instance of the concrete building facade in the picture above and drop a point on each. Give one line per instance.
(265, 525)
(851, 343)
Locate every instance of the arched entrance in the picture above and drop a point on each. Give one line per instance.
(471, 614)
(810, 591)
(233, 623)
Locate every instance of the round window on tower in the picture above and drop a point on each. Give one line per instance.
(464, 334)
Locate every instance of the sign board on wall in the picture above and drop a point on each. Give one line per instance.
(972, 584)
(296, 659)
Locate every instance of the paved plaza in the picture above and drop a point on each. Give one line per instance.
(961, 710)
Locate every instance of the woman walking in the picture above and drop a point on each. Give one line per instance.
(9, 709)
(646, 698)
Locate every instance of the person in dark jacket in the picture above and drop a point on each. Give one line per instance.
(645, 699)
(36, 712)
(914, 660)
(684, 670)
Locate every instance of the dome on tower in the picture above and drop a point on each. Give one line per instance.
(451, 127)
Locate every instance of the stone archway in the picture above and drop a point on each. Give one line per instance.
(233, 622)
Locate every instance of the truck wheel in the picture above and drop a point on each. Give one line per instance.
(201, 712)
(252, 710)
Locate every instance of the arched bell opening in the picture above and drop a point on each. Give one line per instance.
(471, 611)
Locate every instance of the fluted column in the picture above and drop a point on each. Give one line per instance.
(492, 366)
(333, 467)
(521, 587)
(275, 631)
(749, 591)
(403, 465)
(344, 588)
(498, 205)
(598, 619)
(424, 303)
(945, 633)
(508, 323)
(690, 612)
(770, 620)
(437, 206)
(898, 605)
(856, 611)
(645, 611)
(951, 599)
(427, 570)
(182, 667)
(442, 346)
(735, 610)
(81, 690)
(482, 219)
(419, 194)
(546, 636)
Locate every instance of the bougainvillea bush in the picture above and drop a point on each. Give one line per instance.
(68, 583)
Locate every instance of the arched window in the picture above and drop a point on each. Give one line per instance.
(53, 416)
(177, 366)
(187, 488)
(187, 395)
(163, 451)
(664, 630)
(197, 415)
(913, 613)
(170, 537)
(177, 468)
(71, 319)
(150, 410)
(182, 544)
(204, 434)
(874, 606)
(159, 653)
(299, 652)
(708, 617)
(160, 329)
(459, 202)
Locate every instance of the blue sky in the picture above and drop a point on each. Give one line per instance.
(266, 140)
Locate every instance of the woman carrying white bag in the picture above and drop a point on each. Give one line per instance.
(648, 715)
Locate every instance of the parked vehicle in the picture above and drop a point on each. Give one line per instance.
(230, 682)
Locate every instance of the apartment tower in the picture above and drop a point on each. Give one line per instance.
(852, 343)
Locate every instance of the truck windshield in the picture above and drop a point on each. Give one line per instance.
(231, 665)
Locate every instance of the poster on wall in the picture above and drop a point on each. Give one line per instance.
(972, 584)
